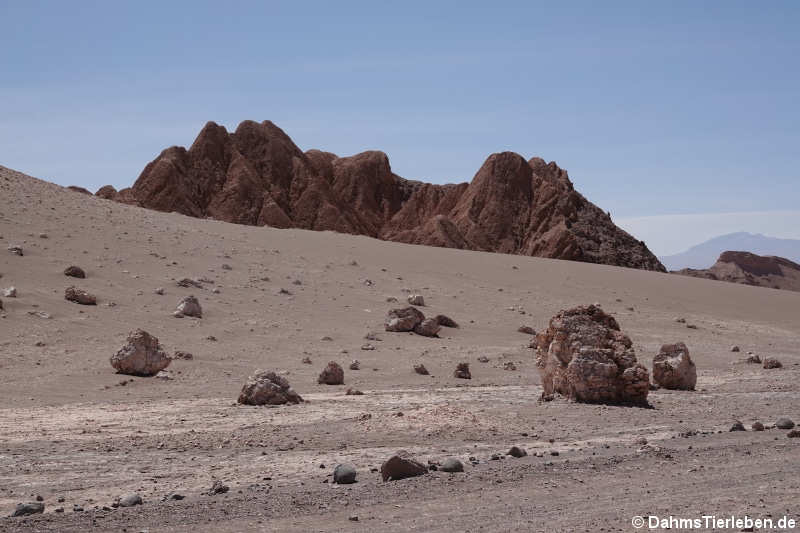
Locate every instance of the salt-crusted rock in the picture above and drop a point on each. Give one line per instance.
(584, 356)
(267, 388)
(673, 368)
(142, 355)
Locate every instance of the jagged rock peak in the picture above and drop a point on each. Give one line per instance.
(257, 175)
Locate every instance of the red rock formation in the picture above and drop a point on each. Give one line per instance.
(258, 176)
(751, 269)
(106, 191)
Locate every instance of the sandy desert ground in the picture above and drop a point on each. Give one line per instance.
(77, 434)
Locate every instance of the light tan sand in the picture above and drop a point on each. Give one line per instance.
(68, 429)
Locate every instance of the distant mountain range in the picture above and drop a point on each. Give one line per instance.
(751, 269)
(705, 254)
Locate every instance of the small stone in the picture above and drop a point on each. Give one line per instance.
(10, 292)
(416, 299)
(517, 452)
(420, 369)
(793, 434)
(509, 365)
(757, 426)
(226, 266)
(737, 426)
(306, 360)
(188, 282)
(353, 518)
(428, 328)
(355, 365)
(462, 371)
(483, 359)
(753, 359)
(159, 291)
(79, 296)
(25, 509)
(332, 374)
(268, 388)
(353, 392)
(15, 249)
(130, 500)
(446, 321)
(186, 356)
(452, 464)
(218, 487)
(784, 423)
(401, 320)
(74, 272)
(734, 348)
(771, 362)
(188, 306)
(344, 474)
(367, 347)
(527, 330)
(401, 466)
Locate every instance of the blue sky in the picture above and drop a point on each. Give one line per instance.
(655, 109)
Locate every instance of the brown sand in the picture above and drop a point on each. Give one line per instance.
(69, 429)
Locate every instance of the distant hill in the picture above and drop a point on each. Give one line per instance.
(705, 254)
(751, 269)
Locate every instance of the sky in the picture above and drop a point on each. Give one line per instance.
(658, 110)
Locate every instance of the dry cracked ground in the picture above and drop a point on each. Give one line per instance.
(79, 436)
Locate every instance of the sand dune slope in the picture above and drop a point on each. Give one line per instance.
(70, 429)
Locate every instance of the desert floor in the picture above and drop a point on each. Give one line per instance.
(72, 433)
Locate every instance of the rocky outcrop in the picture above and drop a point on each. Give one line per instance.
(142, 355)
(584, 356)
(673, 368)
(256, 175)
(267, 388)
(751, 269)
(79, 189)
